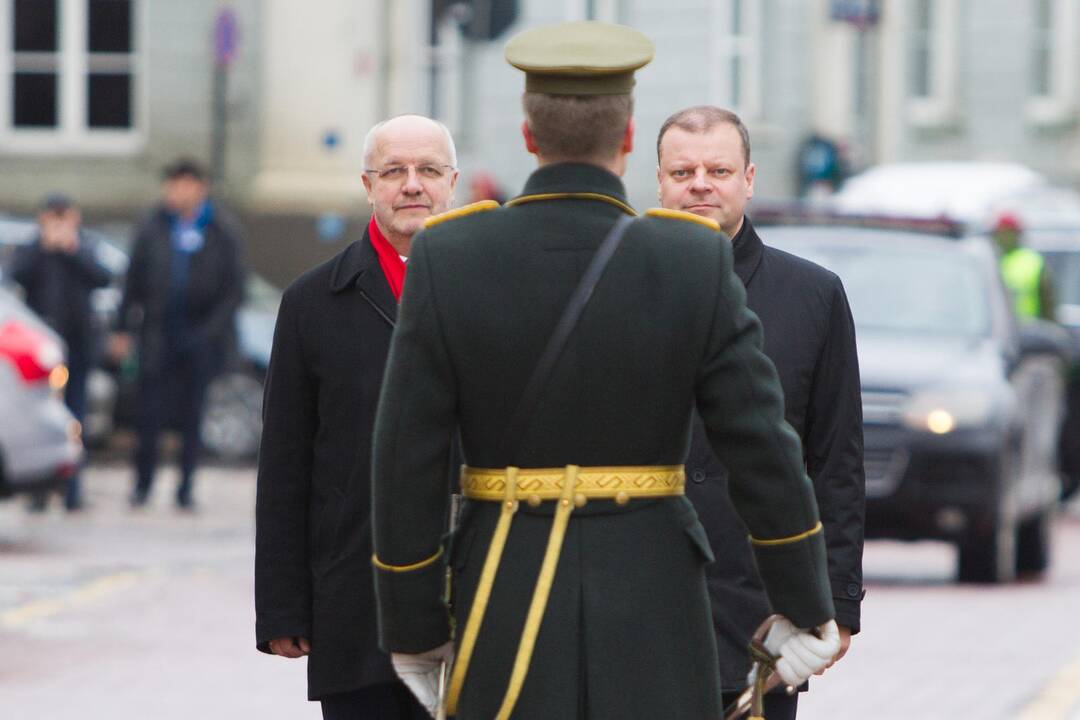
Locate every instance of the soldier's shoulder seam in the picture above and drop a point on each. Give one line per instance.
(470, 209)
(682, 215)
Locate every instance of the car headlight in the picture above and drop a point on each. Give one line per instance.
(942, 411)
(58, 377)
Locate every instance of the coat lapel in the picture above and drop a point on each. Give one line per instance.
(748, 250)
(359, 267)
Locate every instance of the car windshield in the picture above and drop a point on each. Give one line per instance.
(898, 287)
(1065, 270)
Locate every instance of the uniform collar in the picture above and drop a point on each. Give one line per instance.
(575, 178)
(748, 251)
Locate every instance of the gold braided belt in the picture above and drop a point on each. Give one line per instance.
(534, 485)
(572, 487)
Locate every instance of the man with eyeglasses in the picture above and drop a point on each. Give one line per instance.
(313, 575)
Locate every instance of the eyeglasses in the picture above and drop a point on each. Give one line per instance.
(398, 173)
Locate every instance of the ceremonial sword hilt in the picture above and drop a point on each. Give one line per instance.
(752, 699)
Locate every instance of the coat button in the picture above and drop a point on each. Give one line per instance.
(853, 590)
(698, 475)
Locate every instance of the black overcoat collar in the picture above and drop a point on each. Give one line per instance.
(358, 267)
(575, 178)
(748, 250)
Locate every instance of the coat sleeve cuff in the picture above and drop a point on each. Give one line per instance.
(272, 628)
(796, 579)
(412, 615)
(847, 614)
(847, 597)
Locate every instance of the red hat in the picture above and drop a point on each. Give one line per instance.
(1007, 221)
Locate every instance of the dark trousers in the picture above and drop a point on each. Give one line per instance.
(175, 393)
(387, 701)
(778, 706)
(75, 399)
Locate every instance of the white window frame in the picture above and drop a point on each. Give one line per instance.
(1058, 106)
(72, 135)
(726, 46)
(938, 108)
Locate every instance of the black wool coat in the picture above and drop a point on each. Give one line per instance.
(58, 287)
(810, 337)
(214, 290)
(313, 573)
(627, 631)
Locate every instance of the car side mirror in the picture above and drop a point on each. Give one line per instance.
(1041, 337)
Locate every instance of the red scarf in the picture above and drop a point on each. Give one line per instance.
(393, 266)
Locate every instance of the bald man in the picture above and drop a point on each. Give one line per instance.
(313, 576)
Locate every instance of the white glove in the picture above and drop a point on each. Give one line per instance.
(801, 653)
(420, 673)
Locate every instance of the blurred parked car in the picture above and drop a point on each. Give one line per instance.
(232, 424)
(971, 193)
(976, 194)
(961, 406)
(39, 438)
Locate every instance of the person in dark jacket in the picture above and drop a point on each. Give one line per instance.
(58, 270)
(314, 593)
(579, 587)
(184, 285)
(704, 167)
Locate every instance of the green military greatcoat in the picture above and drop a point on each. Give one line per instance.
(627, 630)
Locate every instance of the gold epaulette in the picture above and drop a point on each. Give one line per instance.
(682, 215)
(461, 212)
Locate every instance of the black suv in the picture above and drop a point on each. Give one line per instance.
(962, 405)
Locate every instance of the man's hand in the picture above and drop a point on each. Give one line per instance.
(290, 647)
(802, 653)
(420, 673)
(845, 643)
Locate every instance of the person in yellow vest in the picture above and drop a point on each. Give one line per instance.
(1023, 271)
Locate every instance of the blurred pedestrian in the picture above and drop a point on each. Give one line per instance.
(1023, 270)
(483, 186)
(579, 588)
(314, 593)
(703, 167)
(184, 284)
(58, 270)
(820, 166)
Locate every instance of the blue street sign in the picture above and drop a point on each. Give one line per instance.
(226, 36)
(862, 13)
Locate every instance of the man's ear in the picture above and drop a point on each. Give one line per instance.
(367, 185)
(530, 141)
(628, 137)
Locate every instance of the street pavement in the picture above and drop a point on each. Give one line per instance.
(121, 614)
(932, 649)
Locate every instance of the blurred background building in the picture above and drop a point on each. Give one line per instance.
(276, 96)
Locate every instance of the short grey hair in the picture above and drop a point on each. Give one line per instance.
(369, 139)
(702, 119)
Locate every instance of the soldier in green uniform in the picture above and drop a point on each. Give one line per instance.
(578, 564)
